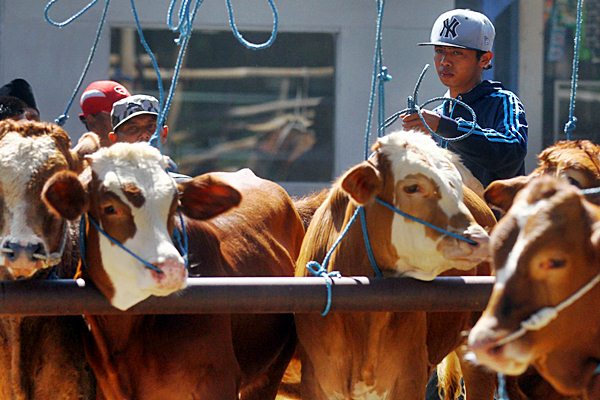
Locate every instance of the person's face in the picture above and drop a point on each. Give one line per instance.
(100, 124)
(459, 69)
(138, 129)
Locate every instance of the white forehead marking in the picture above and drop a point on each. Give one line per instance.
(521, 211)
(20, 158)
(412, 152)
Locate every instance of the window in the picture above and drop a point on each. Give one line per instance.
(270, 110)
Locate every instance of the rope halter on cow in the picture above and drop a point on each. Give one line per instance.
(11, 250)
(544, 316)
(320, 270)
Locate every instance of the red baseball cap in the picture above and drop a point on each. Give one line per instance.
(100, 96)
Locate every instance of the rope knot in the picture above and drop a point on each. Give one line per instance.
(61, 119)
(384, 75)
(540, 319)
(318, 270)
(570, 126)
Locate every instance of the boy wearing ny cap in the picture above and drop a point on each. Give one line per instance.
(496, 148)
(96, 104)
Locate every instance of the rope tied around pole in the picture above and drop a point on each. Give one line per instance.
(61, 119)
(413, 107)
(571, 124)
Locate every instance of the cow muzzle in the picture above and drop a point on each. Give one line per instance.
(471, 254)
(23, 260)
(172, 278)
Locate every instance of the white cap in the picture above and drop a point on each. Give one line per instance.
(466, 29)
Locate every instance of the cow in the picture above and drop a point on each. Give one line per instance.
(578, 161)
(543, 309)
(40, 357)
(236, 224)
(387, 355)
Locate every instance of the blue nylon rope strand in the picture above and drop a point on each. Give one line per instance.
(120, 245)
(61, 119)
(376, 67)
(363, 224)
(82, 229)
(240, 38)
(184, 27)
(502, 388)
(153, 60)
(68, 20)
(423, 222)
(571, 124)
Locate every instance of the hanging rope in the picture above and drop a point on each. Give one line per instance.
(414, 108)
(61, 119)
(572, 122)
(240, 38)
(379, 77)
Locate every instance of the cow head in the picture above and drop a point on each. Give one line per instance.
(409, 171)
(578, 161)
(128, 194)
(32, 238)
(545, 249)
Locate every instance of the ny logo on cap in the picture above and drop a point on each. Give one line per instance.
(449, 28)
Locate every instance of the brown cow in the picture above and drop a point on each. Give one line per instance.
(40, 357)
(546, 250)
(134, 200)
(578, 161)
(388, 355)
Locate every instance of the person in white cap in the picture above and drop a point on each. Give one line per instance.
(496, 149)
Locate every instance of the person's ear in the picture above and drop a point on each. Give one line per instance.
(164, 134)
(486, 59)
(112, 137)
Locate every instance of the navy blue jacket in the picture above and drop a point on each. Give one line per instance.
(497, 147)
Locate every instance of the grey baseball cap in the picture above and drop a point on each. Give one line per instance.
(129, 107)
(466, 29)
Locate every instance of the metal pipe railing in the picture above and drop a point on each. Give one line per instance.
(256, 295)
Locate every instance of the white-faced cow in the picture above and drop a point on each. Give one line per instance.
(387, 355)
(544, 306)
(40, 357)
(130, 197)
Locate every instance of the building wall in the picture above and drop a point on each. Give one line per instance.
(52, 59)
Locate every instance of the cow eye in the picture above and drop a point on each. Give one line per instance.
(411, 189)
(554, 263)
(574, 182)
(109, 210)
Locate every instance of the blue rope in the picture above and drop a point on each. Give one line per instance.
(502, 395)
(414, 108)
(184, 27)
(423, 222)
(380, 75)
(61, 119)
(240, 38)
(572, 123)
(182, 247)
(317, 269)
(370, 254)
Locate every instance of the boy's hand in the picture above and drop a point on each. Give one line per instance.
(412, 121)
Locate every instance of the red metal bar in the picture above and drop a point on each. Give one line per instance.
(256, 295)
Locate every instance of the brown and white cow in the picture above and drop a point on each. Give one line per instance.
(388, 355)
(546, 250)
(133, 199)
(40, 357)
(578, 161)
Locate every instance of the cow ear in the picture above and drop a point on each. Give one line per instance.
(207, 196)
(500, 194)
(362, 183)
(87, 144)
(64, 195)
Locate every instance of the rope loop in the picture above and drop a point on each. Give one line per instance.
(318, 270)
(68, 20)
(414, 108)
(240, 38)
(65, 115)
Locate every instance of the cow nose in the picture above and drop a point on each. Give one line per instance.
(33, 251)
